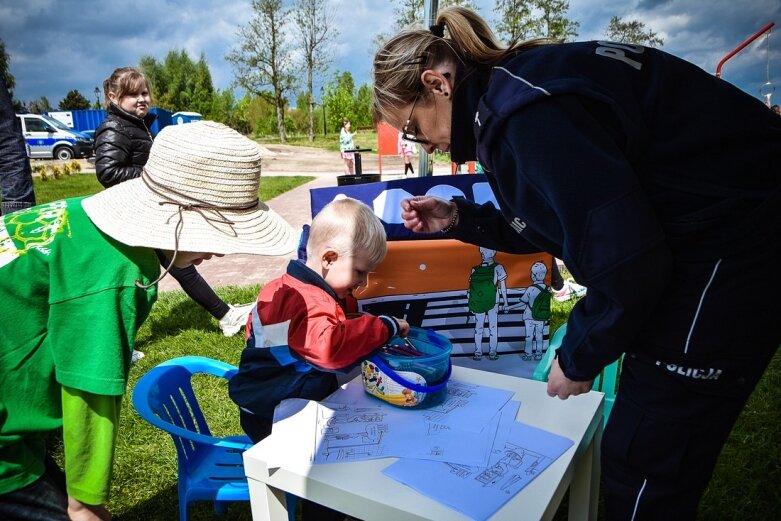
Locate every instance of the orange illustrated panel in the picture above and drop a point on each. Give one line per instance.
(482, 300)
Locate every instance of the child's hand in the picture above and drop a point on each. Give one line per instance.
(403, 327)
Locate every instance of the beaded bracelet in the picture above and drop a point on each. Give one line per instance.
(452, 224)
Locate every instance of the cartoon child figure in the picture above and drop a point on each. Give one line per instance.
(536, 302)
(486, 286)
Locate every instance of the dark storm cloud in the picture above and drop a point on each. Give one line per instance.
(56, 46)
(59, 45)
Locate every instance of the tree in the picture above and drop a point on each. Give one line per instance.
(524, 19)
(179, 83)
(511, 20)
(362, 106)
(156, 76)
(339, 100)
(226, 110)
(632, 31)
(39, 106)
(74, 100)
(410, 12)
(260, 114)
(202, 93)
(5, 62)
(316, 22)
(264, 58)
(469, 4)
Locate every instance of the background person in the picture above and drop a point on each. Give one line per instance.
(77, 279)
(16, 177)
(346, 143)
(406, 150)
(122, 143)
(659, 213)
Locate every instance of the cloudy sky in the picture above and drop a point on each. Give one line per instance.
(59, 45)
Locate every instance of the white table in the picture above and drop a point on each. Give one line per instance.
(362, 491)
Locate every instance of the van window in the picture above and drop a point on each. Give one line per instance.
(35, 125)
(57, 123)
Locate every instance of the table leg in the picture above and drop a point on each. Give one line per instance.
(584, 489)
(267, 503)
(358, 165)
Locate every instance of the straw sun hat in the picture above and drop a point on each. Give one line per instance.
(198, 193)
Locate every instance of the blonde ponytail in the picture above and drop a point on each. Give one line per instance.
(399, 63)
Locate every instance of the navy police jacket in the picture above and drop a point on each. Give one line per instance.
(629, 164)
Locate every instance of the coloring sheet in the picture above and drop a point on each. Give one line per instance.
(354, 426)
(354, 432)
(478, 492)
(467, 407)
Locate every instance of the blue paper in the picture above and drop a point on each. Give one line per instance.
(480, 492)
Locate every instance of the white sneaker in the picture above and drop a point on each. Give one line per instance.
(136, 356)
(570, 290)
(235, 318)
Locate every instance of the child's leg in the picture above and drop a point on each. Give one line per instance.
(254, 427)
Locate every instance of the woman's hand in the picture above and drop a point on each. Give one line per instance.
(79, 511)
(561, 386)
(427, 214)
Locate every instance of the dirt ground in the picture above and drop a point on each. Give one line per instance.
(293, 160)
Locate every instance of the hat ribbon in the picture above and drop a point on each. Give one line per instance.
(197, 206)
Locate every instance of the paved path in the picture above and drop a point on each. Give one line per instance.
(294, 207)
(243, 270)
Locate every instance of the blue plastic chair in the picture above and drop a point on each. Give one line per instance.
(605, 382)
(210, 468)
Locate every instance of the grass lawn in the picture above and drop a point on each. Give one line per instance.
(745, 484)
(364, 139)
(144, 485)
(84, 184)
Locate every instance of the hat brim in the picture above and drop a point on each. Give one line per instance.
(134, 215)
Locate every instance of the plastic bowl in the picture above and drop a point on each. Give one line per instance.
(410, 381)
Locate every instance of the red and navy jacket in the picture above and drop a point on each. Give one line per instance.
(300, 331)
(625, 162)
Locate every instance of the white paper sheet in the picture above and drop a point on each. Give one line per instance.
(353, 426)
(478, 492)
(467, 406)
(295, 421)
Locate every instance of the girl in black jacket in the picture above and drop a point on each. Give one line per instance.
(122, 144)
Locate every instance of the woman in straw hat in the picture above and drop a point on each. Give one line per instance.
(607, 156)
(77, 279)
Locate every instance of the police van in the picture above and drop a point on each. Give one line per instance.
(48, 138)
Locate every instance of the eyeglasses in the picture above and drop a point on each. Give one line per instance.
(405, 133)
